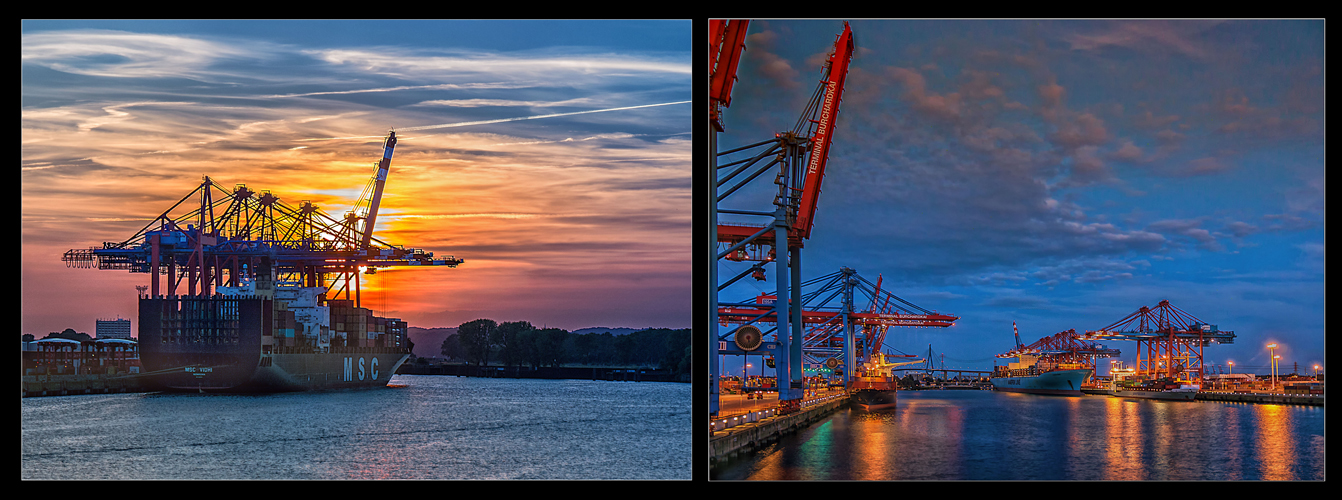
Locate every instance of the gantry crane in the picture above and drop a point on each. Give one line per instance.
(1066, 347)
(837, 332)
(1169, 341)
(798, 179)
(798, 182)
(722, 77)
(230, 236)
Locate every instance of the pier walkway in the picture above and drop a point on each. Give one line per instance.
(745, 425)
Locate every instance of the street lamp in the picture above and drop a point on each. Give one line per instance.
(1275, 365)
(1272, 349)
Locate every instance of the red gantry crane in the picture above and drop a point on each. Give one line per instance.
(799, 156)
(1062, 348)
(726, 40)
(1169, 341)
(798, 183)
(834, 324)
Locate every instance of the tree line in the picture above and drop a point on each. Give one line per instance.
(518, 343)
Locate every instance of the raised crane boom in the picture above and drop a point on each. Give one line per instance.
(726, 39)
(378, 183)
(824, 129)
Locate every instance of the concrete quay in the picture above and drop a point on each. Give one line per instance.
(68, 385)
(748, 437)
(1241, 397)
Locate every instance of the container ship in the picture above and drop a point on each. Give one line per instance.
(259, 338)
(1031, 376)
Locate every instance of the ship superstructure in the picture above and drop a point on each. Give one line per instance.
(875, 385)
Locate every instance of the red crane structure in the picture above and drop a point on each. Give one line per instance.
(800, 156)
(230, 236)
(726, 38)
(1062, 347)
(1169, 341)
(836, 331)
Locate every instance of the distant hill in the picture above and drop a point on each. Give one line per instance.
(601, 329)
(429, 341)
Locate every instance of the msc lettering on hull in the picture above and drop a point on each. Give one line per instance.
(349, 369)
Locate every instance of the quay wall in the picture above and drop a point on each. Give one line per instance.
(746, 438)
(67, 385)
(582, 373)
(1240, 397)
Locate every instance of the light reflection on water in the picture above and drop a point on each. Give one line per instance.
(984, 435)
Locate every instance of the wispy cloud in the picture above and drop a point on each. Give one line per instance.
(119, 54)
(589, 191)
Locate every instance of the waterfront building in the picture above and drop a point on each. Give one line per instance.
(113, 329)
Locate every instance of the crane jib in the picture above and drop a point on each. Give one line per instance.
(823, 132)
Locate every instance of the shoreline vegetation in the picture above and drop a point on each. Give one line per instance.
(517, 349)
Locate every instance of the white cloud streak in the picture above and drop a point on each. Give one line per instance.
(501, 120)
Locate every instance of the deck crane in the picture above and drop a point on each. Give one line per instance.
(231, 235)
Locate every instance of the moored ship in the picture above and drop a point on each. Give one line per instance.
(1060, 379)
(253, 339)
(1164, 388)
(1057, 365)
(875, 386)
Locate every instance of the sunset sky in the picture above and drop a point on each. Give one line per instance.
(569, 221)
(1061, 175)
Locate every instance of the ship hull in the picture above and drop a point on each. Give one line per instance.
(1160, 395)
(874, 399)
(216, 345)
(1056, 383)
(282, 373)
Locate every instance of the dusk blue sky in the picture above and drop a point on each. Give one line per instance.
(1061, 175)
(553, 157)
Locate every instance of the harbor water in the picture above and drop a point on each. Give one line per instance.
(424, 427)
(988, 435)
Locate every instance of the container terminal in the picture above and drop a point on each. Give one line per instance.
(834, 326)
(248, 293)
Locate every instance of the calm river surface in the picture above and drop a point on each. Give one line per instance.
(987, 435)
(436, 427)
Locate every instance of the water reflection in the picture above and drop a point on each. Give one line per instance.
(873, 454)
(1276, 448)
(1004, 436)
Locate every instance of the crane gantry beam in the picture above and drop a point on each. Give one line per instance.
(231, 234)
(836, 328)
(1169, 341)
(1062, 347)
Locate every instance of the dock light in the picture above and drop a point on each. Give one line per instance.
(1273, 351)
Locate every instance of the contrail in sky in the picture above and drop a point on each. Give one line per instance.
(500, 120)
